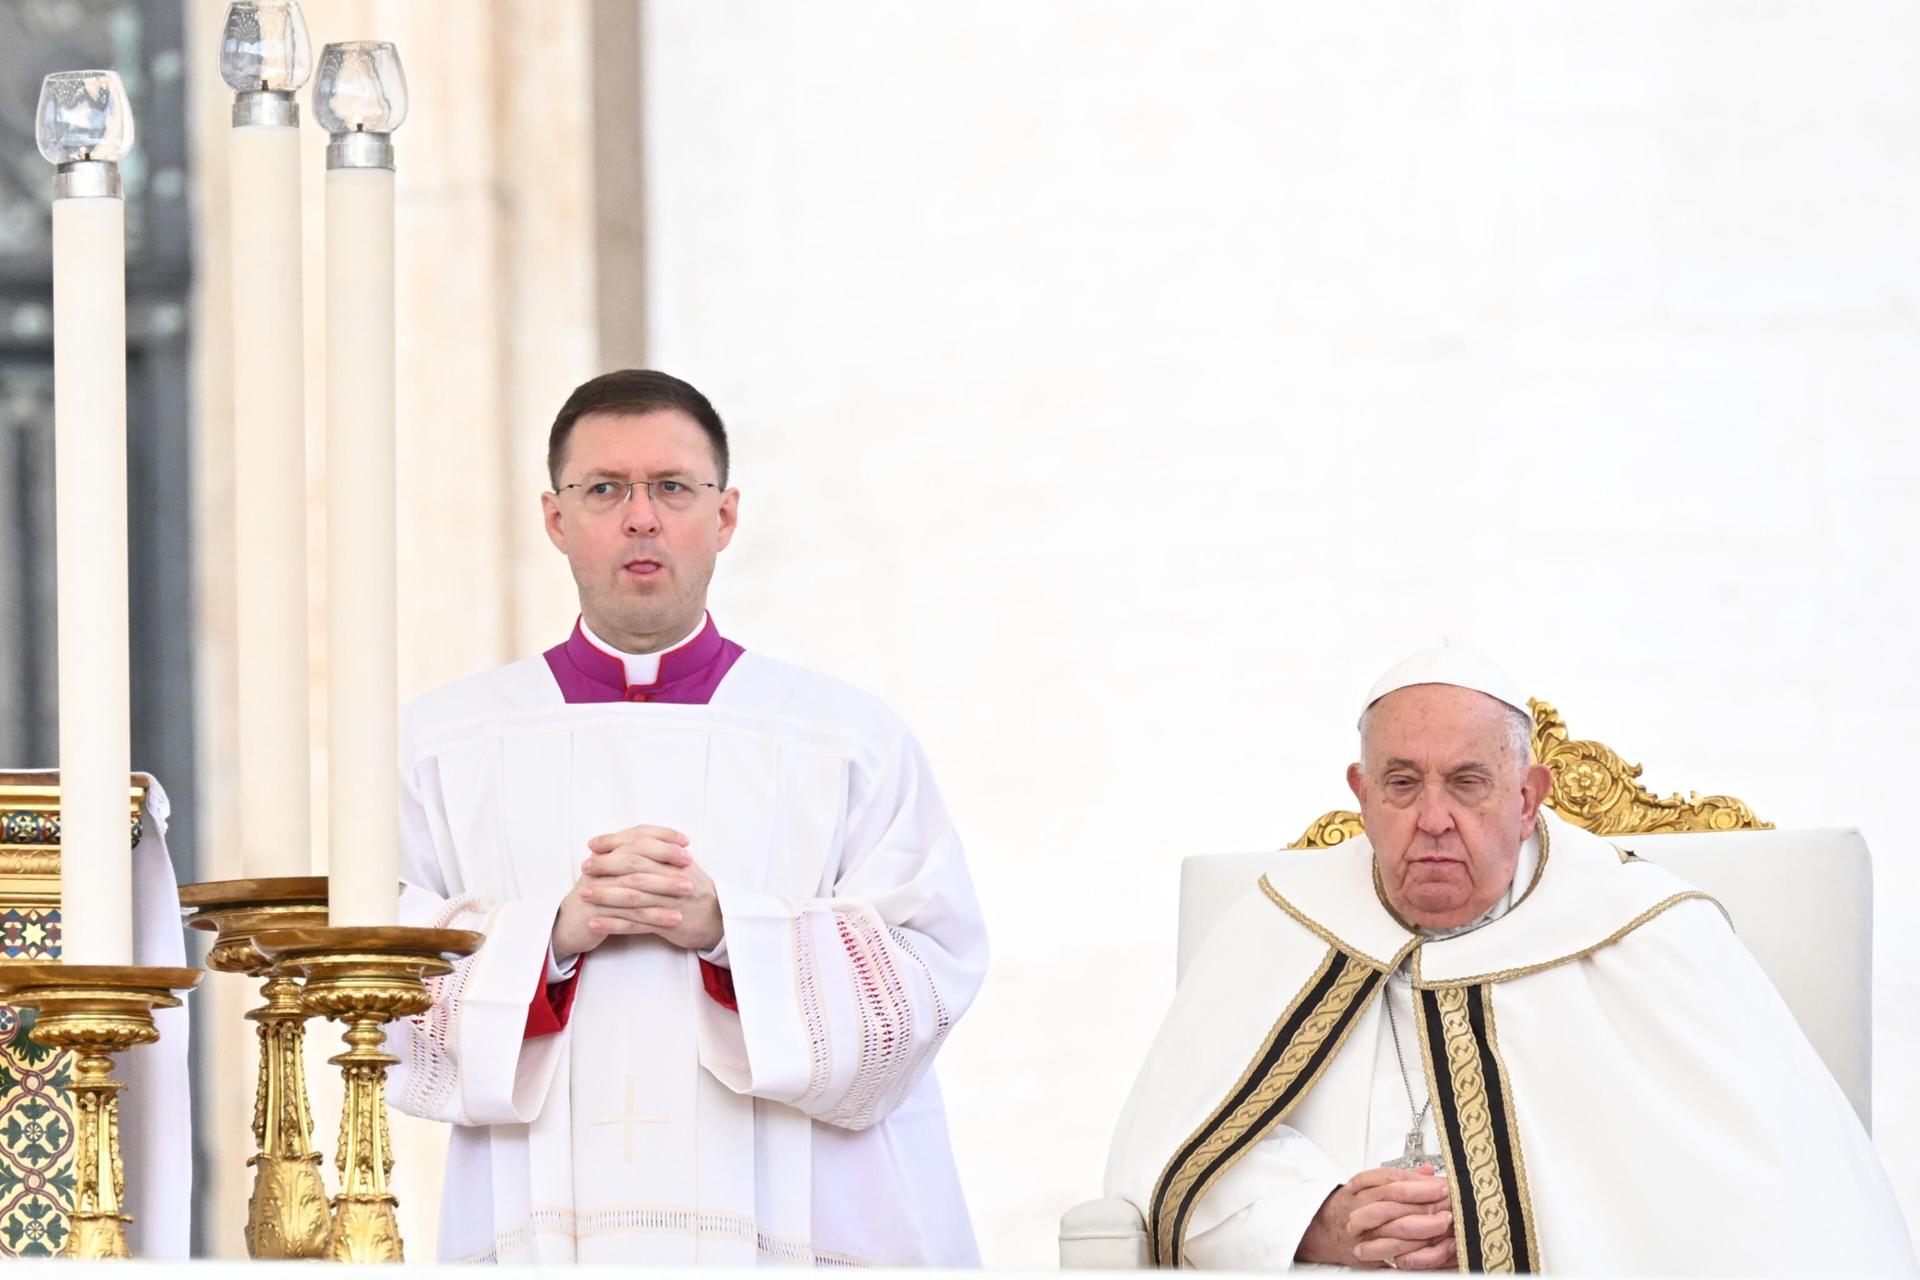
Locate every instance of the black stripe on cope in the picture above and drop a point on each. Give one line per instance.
(1240, 1095)
(1280, 1105)
(1446, 1114)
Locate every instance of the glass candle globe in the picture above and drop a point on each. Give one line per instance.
(265, 46)
(360, 88)
(83, 115)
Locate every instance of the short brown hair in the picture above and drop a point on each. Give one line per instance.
(635, 391)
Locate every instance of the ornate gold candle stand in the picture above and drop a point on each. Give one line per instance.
(365, 977)
(96, 1010)
(287, 1213)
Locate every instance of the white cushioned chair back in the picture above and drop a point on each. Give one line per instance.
(1802, 901)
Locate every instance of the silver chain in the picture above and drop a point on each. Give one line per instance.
(1420, 1115)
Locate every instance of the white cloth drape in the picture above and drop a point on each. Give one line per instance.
(156, 1110)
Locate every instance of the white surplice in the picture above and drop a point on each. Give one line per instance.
(1670, 1115)
(660, 1126)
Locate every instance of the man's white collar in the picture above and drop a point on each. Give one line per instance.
(642, 668)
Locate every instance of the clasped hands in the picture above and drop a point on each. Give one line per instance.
(1385, 1217)
(640, 880)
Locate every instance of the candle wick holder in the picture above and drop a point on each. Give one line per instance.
(360, 148)
(265, 108)
(97, 1011)
(287, 1214)
(365, 977)
(88, 179)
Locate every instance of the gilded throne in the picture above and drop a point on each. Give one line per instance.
(1802, 900)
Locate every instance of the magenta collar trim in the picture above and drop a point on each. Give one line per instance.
(687, 675)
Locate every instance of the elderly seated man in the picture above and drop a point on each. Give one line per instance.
(1483, 1039)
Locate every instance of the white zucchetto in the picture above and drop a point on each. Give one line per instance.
(1448, 665)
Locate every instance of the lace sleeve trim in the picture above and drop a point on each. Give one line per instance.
(427, 1040)
(886, 1020)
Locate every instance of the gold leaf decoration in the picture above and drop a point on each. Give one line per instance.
(1330, 829)
(287, 1215)
(1593, 787)
(366, 1229)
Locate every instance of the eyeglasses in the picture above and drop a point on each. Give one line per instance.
(599, 497)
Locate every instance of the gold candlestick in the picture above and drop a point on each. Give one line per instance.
(96, 1010)
(365, 977)
(287, 1215)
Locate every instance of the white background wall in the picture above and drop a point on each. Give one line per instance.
(1118, 386)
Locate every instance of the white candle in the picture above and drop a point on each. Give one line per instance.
(264, 58)
(363, 687)
(270, 501)
(90, 533)
(359, 97)
(83, 127)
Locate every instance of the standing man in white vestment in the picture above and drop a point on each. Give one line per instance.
(1332, 1085)
(728, 923)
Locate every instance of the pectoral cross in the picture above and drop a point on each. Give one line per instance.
(1414, 1157)
(627, 1120)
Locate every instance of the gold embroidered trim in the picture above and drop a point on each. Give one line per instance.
(1313, 1033)
(1440, 1132)
(1266, 1046)
(1201, 1166)
(1321, 932)
(1379, 891)
(1477, 1150)
(1513, 1132)
(1546, 851)
(1380, 894)
(1503, 975)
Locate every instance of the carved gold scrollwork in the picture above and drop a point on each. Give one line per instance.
(1593, 787)
(287, 1214)
(1596, 789)
(1330, 829)
(100, 1179)
(28, 862)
